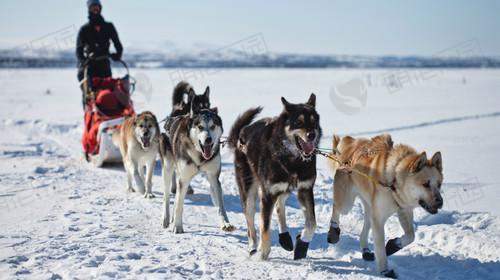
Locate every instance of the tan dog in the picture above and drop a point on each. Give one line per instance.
(399, 180)
(138, 139)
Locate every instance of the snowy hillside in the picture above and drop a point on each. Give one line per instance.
(63, 218)
(250, 52)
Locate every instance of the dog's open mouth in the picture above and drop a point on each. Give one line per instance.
(146, 141)
(206, 150)
(427, 207)
(306, 148)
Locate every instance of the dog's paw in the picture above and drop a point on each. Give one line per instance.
(178, 229)
(333, 235)
(368, 255)
(286, 241)
(301, 248)
(130, 190)
(392, 246)
(389, 273)
(149, 195)
(166, 222)
(227, 227)
(190, 190)
(252, 252)
(264, 254)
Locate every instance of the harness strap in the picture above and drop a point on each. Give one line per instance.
(345, 166)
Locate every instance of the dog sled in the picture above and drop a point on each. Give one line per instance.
(107, 102)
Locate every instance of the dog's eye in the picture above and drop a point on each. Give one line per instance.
(427, 185)
(200, 127)
(141, 126)
(212, 126)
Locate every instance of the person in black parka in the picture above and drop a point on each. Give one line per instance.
(94, 41)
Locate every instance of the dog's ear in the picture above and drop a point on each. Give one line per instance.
(207, 92)
(335, 142)
(155, 122)
(286, 104)
(190, 96)
(312, 100)
(191, 110)
(419, 163)
(437, 161)
(215, 110)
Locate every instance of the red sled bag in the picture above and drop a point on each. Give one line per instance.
(110, 101)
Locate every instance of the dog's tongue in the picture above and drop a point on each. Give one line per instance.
(207, 151)
(145, 141)
(308, 147)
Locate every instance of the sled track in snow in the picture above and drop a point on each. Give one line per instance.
(427, 124)
(421, 125)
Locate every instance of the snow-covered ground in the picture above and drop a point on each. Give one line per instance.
(61, 217)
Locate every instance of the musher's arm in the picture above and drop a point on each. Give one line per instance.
(116, 42)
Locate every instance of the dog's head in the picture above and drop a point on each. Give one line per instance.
(205, 131)
(301, 125)
(199, 102)
(146, 128)
(422, 184)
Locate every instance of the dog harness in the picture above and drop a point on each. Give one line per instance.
(345, 166)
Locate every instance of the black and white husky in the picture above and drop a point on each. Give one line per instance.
(274, 157)
(192, 146)
(183, 99)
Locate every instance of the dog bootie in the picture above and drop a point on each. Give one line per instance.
(333, 235)
(301, 248)
(368, 255)
(389, 273)
(392, 246)
(286, 241)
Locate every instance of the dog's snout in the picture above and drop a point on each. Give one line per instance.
(208, 140)
(439, 201)
(311, 136)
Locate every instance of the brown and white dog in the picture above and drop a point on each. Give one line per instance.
(400, 179)
(138, 139)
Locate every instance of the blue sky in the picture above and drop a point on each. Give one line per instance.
(312, 27)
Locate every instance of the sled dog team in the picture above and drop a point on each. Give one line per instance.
(274, 157)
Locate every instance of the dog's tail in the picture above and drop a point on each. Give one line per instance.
(180, 89)
(334, 165)
(243, 120)
(115, 136)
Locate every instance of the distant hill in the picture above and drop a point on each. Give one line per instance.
(229, 58)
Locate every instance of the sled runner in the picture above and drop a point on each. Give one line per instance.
(106, 104)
